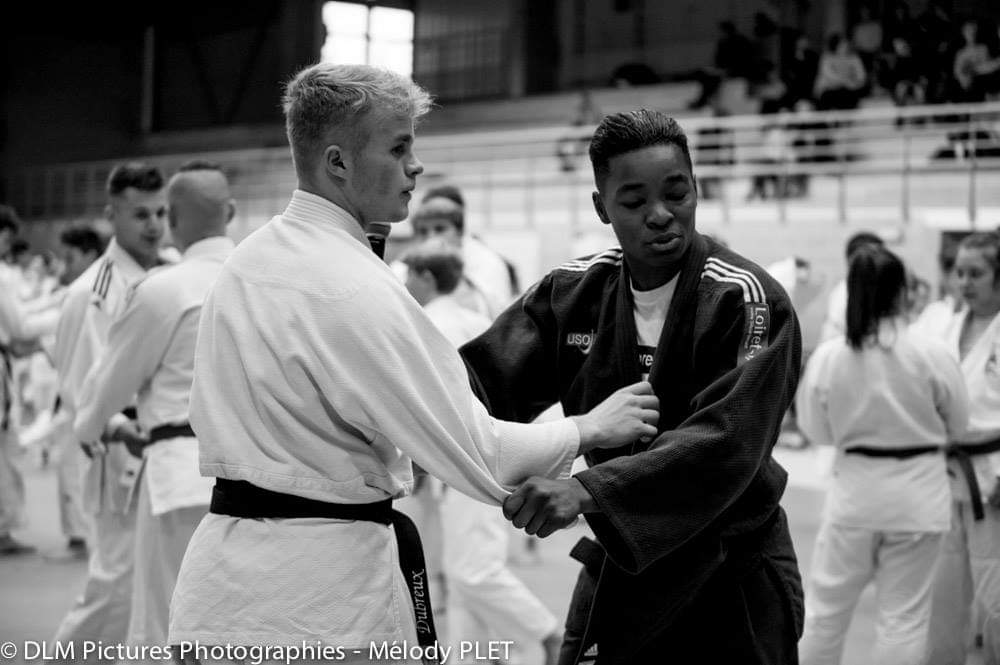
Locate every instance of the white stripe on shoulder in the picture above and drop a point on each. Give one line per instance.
(712, 274)
(730, 269)
(611, 257)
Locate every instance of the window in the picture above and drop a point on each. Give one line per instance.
(357, 33)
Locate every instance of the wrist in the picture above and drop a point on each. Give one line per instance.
(584, 497)
(588, 434)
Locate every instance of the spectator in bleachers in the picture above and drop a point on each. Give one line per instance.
(841, 78)
(866, 38)
(733, 59)
(970, 57)
(932, 46)
(800, 73)
(986, 77)
(903, 77)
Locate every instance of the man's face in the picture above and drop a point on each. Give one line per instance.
(384, 170)
(75, 261)
(138, 218)
(649, 198)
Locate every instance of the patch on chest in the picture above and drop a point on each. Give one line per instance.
(756, 332)
(582, 341)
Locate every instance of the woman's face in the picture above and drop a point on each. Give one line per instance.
(976, 280)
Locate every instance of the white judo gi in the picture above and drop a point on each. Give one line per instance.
(150, 353)
(969, 569)
(93, 301)
(318, 375)
(884, 517)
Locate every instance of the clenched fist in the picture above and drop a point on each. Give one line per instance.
(542, 506)
(628, 415)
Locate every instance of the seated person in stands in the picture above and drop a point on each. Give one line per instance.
(841, 77)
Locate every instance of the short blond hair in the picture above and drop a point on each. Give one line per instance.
(326, 95)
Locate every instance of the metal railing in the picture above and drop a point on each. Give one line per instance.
(894, 158)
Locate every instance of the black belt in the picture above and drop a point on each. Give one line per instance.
(169, 432)
(962, 453)
(238, 498)
(7, 386)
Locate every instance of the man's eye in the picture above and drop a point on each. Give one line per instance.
(631, 205)
(399, 150)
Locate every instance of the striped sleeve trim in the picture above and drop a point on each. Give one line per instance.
(103, 279)
(721, 271)
(611, 257)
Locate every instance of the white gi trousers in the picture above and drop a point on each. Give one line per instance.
(486, 601)
(968, 571)
(160, 543)
(101, 612)
(846, 559)
(11, 482)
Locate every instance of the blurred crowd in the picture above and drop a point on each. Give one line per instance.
(931, 57)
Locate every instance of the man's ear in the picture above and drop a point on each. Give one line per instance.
(109, 212)
(599, 207)
(230, 210)
(334, 161)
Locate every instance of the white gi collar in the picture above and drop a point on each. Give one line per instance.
(313, 209)
(124, 262)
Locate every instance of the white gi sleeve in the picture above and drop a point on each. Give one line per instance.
(425, 407)
(811, 400)
(137, 342)
(951, 396)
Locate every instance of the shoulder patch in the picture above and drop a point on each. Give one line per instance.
(757, 330)
(611, 256)
(757, 312)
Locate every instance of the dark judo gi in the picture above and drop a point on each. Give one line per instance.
(694, 561)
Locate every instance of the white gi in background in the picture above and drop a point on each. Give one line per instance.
(92, 302)
(150, 352)
(488, 274)
(486, 601)
(884, 518)
(969, 570)
(320, 414)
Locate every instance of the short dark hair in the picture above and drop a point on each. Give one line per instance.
(19, 246)
(141, 176)
(620, 133)
(9, 219)
(83, 238)
(859, 240)
(875, 279)
(199, 165)
(440, 259)
(450, 192)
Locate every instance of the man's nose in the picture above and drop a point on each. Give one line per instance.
(416, 167)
